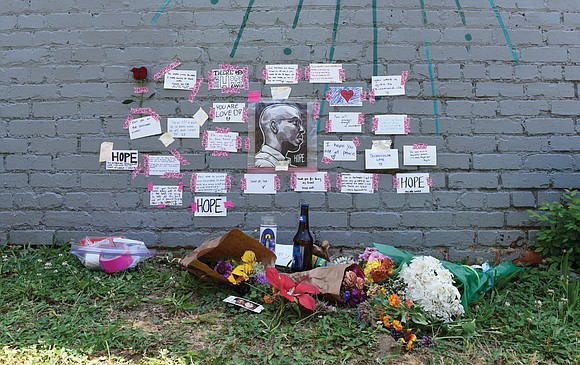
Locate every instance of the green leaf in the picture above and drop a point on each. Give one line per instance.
(128, 101)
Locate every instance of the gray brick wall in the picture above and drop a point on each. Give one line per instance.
(506, 127)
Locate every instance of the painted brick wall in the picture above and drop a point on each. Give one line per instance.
(493, 84)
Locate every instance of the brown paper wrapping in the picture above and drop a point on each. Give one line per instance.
(328, 279)
(232, 245)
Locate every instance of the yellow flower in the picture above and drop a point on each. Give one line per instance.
(372, 264)
(240, 273)
(397, 325)
(249, 257)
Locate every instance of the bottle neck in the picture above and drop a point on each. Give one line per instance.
(303, 223)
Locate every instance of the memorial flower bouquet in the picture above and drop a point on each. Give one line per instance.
(431, 286)
(377, 266)
(389, 309)
(353, 288)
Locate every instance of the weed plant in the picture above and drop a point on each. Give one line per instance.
(55, 311)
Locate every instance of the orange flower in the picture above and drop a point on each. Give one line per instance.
(386, 322)
(409, 303)
(409, 339)
(394, 300)
(269, 299)
(397, 325)
(379, 274)
(387, 263)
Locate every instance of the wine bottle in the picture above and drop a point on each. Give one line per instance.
(303, 243)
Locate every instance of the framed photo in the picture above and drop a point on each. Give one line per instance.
(283, 136)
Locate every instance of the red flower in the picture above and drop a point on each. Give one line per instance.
(291, 290)
(139, 73)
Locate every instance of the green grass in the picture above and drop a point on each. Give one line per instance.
(54, 311)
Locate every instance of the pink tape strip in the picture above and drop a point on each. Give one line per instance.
(228, 205)
(193, 182)
(254, 96)
(193, 207)
(140, 90)
(356, 141)
(430, 182)
(327, 160)
(161, 206)
(265, 74)
(339, 181)
(166, 69)
(404, 76)
(150, 186)
(180, 186)
(395, 182)
(195, 89)
(293, 181)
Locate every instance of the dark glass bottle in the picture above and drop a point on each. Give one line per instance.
(303, 243)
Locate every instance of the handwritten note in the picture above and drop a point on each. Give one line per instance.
(345, 96)
(357, 183)
(420, 156)
(325, 73)
(144, 127)
(310, 181)
(228, 112)
(183, 127)
(217, 141)
(206, 182)
(209, 206)
(180, 79)
(166, 195)
(122, 160)
(390, 124)
(381, 159)
(340, 150)
(284, 255)
(159, 165)
(281, 74)
(228, 78)
(388, 85)
(344, 122)
(260, 183)
(412, 183)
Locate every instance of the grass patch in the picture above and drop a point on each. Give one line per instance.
(54, 311)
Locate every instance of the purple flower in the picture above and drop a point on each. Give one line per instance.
(223, 268)
(260, 278)
(427, 341)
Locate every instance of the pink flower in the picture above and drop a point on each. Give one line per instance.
(371, 253)
(291, 290)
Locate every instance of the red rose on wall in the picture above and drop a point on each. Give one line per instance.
(139, 73)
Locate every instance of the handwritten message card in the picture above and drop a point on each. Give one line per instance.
(144, 127)
(344, 122)
(183, 127)
(391, 124)
(180, 79)
(260, 184)
(376, 159)
(228, 78)
(412, 183)
(159, 165)
(311, 181)
(165, 195)
(421, 155)
(388, 85)
(228, 112)
(345, 96)
(219, 141)
(325, 73)
(340, 150)
(357, 183)
(206, 182)
(122, 160)
(281, 74)
(209, 206)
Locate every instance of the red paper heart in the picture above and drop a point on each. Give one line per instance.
(346, 94)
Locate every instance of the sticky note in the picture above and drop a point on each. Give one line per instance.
(106, 151)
